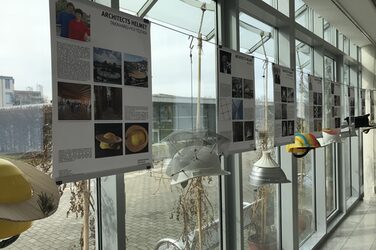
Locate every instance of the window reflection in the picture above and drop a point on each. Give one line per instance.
(330, 33)
(159, 213)
(26, 121)
(306, 197)
(260, 204)
(330, 153)
(302, 14)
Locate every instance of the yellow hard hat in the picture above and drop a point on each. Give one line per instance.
(26, 194)
(303, 143)
(12, 228)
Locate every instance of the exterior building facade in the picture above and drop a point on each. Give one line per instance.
(26, 97)
(6, 91)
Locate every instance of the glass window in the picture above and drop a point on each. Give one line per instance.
(345, 112)
(7, 83)
(302, 14)
(9, 98)
(132, 6)
(260, 204)
(26, 130)
(318, 27)
(346, 45)
(281, 5)
(330, 33)
(303, 57)
(156, 210)
(250, 38)
(354, 51)
(104, 2)
(306, 197)
(162, 12)
(340, 41)
(330, 151)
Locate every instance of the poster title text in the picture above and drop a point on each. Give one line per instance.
(124, 20)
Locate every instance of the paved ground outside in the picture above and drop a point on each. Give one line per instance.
(150, 201)
(55, 232)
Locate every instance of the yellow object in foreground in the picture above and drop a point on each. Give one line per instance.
(12, 228)
(13, 185)
(303, 143)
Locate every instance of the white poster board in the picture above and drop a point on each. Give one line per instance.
(285, 105)
(315, 104)
(102, 105)
(335, 89)
(236, 100)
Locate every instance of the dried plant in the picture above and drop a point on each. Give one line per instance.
(262, 216)
(46, 203)
(78, 190)
(263, 143)
(42, 160)
(186, 208)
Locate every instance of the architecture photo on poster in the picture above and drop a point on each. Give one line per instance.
(102, 102)
(236, 100)
(285, 104)
(335, 91)
(315, 104)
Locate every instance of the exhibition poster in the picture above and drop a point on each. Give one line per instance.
(285, 105)
(315, 104)
(351, 94)
(236, 100)
(335, 89)
(102, 103)
(363, 99)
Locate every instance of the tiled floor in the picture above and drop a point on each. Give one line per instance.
(358, 231)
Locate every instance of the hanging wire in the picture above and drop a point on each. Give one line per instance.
(191, 46)
(265, 76)
(301, 94)
(199, 46)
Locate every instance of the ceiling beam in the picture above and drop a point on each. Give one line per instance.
(209, 36)
(146, 8)
(347, 14)
(264, 39)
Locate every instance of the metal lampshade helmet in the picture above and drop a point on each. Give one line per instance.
(266, 171)
(194, 161)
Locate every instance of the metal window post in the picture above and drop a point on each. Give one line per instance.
(231, 185)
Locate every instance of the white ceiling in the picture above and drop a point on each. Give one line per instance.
(363, 12)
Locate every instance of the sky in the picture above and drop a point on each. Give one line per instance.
(25, 51)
